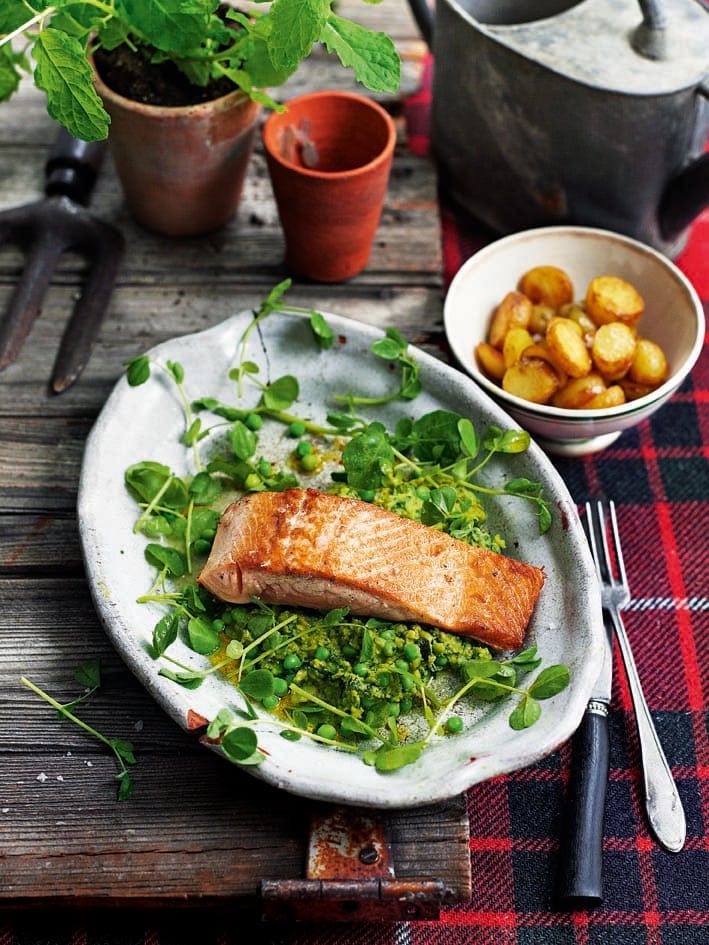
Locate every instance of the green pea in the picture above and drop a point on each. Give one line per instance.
(218, 625)
(454, 724)
(202, 546)
(322, 653)
(280, 686)
(441, 661)
(309, 462)
(254, 421)
(291, 661)
(303, 448)
(412, 653)
(402, 666)
(297, 428)
(366, 495)
(388, 649)
(387, 634)
(393, 709)
(406, 704)
(408, 683)
(384, 679)
(264, 467)
(270, 702)
(252, 482)
(349, 651)
(360, 669)
(327, 731)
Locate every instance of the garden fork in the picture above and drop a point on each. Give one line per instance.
(662, 801)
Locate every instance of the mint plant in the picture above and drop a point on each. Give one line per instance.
(262, 52)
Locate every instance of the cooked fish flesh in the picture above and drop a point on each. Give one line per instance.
(310, 549)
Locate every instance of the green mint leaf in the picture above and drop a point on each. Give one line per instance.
(64, 74)
(123, 749)
(178, 28)
(550, 682)
(9, 73)
(372, 56)
(125, 786)
(366, 457)
(296, 25)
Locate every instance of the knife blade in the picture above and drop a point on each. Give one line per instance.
(581, 863)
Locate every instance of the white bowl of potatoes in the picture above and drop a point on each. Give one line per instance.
(578, 333)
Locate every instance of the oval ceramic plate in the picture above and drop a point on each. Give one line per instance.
(145, 423)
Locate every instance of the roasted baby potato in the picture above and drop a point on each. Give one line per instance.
(613, 349)
(610, 299)
(545, 348)
(649, 364)
(531, 379)
(567, 347)
(514, 311)
(490, 360)
(576, 393)
(548, 285)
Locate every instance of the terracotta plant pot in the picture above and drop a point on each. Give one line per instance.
(329, 156)
(182, 168)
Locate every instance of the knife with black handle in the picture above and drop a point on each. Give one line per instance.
(581, 863)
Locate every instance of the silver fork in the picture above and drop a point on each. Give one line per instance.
(662, 801)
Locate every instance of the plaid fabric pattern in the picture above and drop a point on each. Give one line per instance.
(658, 474)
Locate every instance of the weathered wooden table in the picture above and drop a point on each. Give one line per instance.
(197, 831)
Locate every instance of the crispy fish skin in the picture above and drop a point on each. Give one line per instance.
(310, 549)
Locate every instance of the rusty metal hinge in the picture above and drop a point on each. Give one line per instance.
(350, 876)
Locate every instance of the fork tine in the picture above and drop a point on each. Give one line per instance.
(617, 547)
(595, 521)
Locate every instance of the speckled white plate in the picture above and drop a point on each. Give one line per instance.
(145, 423)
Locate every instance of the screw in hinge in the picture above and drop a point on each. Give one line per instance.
(368, 855)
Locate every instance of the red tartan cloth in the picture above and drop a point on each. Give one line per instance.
(658, 474)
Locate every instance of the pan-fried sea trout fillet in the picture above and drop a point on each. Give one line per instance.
(310, 549)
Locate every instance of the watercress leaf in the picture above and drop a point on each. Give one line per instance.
(525, 656)
(164, 633)
(526, 714)
(203, 638)
(522, 486)
(513, 441)
(243, 441)
(352, 726)
(239, 744)
(258, 684)
(89, 674)
(391, 759)
(324, 335)
(544, 513)
(188, 680)
(550, 682)
(300, 719)
(193, 433)
(64, 74)
(166, 559)
(468, 437)
(204, 488)
(220, 723)
(479, 669)
(123, 749)
(334, 617)
(342, 421)
(138, 370)
(176, 370)
(389, 349)
(281, 393)
(435, 437)
(296, 25)
(366, 456)
(192, 600)
(125, 786)
(410, 380)
(367, 649)
(204, 523)
(372, 56)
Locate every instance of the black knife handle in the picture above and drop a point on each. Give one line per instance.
(581, 875)
(72, 167)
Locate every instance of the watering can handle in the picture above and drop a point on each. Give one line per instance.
(423, 15)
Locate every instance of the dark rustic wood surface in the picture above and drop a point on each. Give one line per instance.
(196, 830)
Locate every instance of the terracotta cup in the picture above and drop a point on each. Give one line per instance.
(182, 169)
(329, 156)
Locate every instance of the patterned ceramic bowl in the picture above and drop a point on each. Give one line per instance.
(673, 318)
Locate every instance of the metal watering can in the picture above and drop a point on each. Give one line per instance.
(559, 111)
